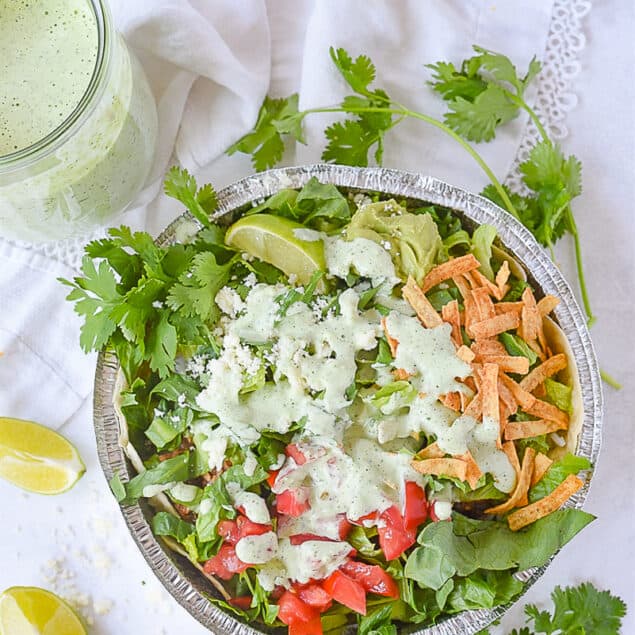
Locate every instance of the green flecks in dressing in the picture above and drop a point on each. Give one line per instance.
(48, 52)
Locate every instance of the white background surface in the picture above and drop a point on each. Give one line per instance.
(83, 532)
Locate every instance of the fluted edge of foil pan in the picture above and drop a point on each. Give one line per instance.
(178, 576)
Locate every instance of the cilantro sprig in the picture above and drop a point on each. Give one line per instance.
(483, 93)
(579, 610)
(145, 300)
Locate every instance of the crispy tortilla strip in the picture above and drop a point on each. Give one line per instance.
(541, 464)
(470, 313)
(509, 448)
(507, 399)
(548, 368)
(392, 342)
(400, 374)
(526, 429)
(442, 467)
(433, 451)
(502, 276)
(450, 314)
(484, 304)
(508, 307)
(462, 285)
(488, 347)
(450, 269)
(489, 391)
(419, 302)
(473, 473)
(452, 400)
(465, 353)
(544, 410)
(508, 363)
(519, 495)
(523, 398)
(494, 326)
(550, 503)
(475, 407)
(547, 304)
(480, 281)
(530, 318)
(535, 347)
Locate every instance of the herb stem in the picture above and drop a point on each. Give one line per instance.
(609, 380)
(406, 112)
(578, 261)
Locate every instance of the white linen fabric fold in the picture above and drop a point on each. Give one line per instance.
(210, 64)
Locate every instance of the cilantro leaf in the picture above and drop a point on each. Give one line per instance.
(348, 143)
(264, 142)
(194, 293)
(181, 185)
(578, 611)
(477, 120)
(95, 296)
(358, 73)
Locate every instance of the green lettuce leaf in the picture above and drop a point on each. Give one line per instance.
(559, 395)
(559, 470)
(482, 241)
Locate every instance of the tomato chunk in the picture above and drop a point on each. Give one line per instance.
(295, 453)
(242, 602)
(416, 510)
(229, 531)
(344, 527)
(394, 538)
(271, 479)
(248, 528)
(315, 596)
(346, 591)
(225, 563)
(291, 609)
(292, 502)
(312, 627)
(372, 577)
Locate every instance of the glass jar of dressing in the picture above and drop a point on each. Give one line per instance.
(78, 122)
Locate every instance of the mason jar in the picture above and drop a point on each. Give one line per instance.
(93, 160)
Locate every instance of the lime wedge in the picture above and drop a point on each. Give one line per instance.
(32, 611)
(36, 458)
(274, 240)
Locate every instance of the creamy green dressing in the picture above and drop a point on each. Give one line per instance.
(47, 57)
(348, 470)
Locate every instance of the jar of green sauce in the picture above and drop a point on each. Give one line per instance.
(78, 122)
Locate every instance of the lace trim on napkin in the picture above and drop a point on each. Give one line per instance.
(561, 64)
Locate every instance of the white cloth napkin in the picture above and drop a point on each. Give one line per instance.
(44, 375)
(210, 64)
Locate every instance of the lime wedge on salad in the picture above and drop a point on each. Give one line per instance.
(33, 611)
(277, 240)
(36, 458)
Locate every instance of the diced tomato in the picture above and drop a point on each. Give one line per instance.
(312, 627)
(277, 592)
(292, 502)
(346, 591)
(394, 538)
(229, 531)
(314, 595)
(271, 479)
(248, 528)
(295, 453)
(225, 563)
(416, 510)
(343, 526)
(242, 602)
(372, 577)
(291, 609)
